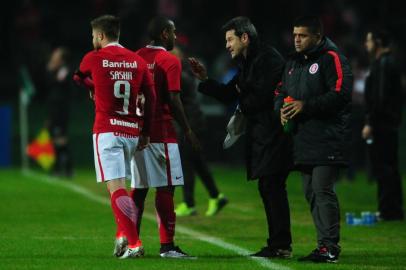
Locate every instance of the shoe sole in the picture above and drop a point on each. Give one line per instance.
(181, 258)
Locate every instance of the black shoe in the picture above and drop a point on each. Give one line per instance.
(267, 252)
(321, 255)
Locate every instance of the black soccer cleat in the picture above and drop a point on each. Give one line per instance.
(321, 255)
(267, 252)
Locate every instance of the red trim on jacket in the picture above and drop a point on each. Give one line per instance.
(338, 70)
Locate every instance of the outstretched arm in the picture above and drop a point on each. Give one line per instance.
(180, 117)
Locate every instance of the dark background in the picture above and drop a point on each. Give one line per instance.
(29, 30)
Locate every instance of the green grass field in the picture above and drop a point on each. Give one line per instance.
(48, 223)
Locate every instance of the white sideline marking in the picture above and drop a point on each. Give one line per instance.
(181, 229)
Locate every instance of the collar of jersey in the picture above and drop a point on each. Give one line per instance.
(113, 44)
(155, 47)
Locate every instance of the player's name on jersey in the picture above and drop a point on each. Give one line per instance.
(116, 122)
(121, 75)
(120, 64)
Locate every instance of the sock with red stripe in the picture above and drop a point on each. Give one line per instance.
(166, 215)
(138, 196)
(126, 216)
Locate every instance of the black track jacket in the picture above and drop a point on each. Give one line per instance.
(383, 93)
(324, 82)
(268, 149)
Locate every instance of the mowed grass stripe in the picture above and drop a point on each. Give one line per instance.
(266, 263)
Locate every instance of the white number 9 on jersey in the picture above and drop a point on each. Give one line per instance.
(125, 95)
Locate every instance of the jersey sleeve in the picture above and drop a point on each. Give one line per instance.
(173, 74)
(82, 77)
(86, 64)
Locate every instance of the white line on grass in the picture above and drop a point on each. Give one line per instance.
(181, 229)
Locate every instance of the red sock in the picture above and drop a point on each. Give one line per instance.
(165, 215)
(120, 231)
(126, 215)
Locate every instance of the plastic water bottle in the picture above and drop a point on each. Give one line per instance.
(357, 221)
(290, 124)
(349, 218)
(368, 218)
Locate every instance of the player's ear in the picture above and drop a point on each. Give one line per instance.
(165, 34)
(100, 36)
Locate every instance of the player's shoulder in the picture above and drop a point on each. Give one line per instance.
(141, 50)
(90, 55)
(169, 59)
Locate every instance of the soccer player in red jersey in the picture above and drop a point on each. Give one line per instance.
(118, 75)
(159, 165)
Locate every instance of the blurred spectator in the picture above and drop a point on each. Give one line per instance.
(358, 149)
(194, 162)
(59, 83)
(383, 99)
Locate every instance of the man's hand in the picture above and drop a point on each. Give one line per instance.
(198, 68)
(194, 141)
(367, 132)
(143, 142)
(290, 110)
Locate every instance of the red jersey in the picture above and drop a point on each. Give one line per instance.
(166, 70)
(119, 75)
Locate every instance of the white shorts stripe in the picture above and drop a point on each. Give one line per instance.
(98, 166)
(168, 166)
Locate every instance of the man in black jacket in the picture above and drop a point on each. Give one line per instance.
(268, 152)
(383, 99)
(319, 80)
(59, 99)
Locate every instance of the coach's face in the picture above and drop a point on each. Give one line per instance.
(304, 39)
(236, 45)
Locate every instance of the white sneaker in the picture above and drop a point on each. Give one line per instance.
(133, 253)
(175, 253)
(120, 246)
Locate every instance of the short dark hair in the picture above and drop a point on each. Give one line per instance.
(108, 24)
(381, 36)
(157, 25)
(313, 23)
(241, 25)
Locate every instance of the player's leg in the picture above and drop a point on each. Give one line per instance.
(139, 195)
(139, 182)
(187, 207)
(63, 159)
(164, 205)
(217, 200)
(165, 214)
(164, 171)
(126, 215)
(110, 162)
